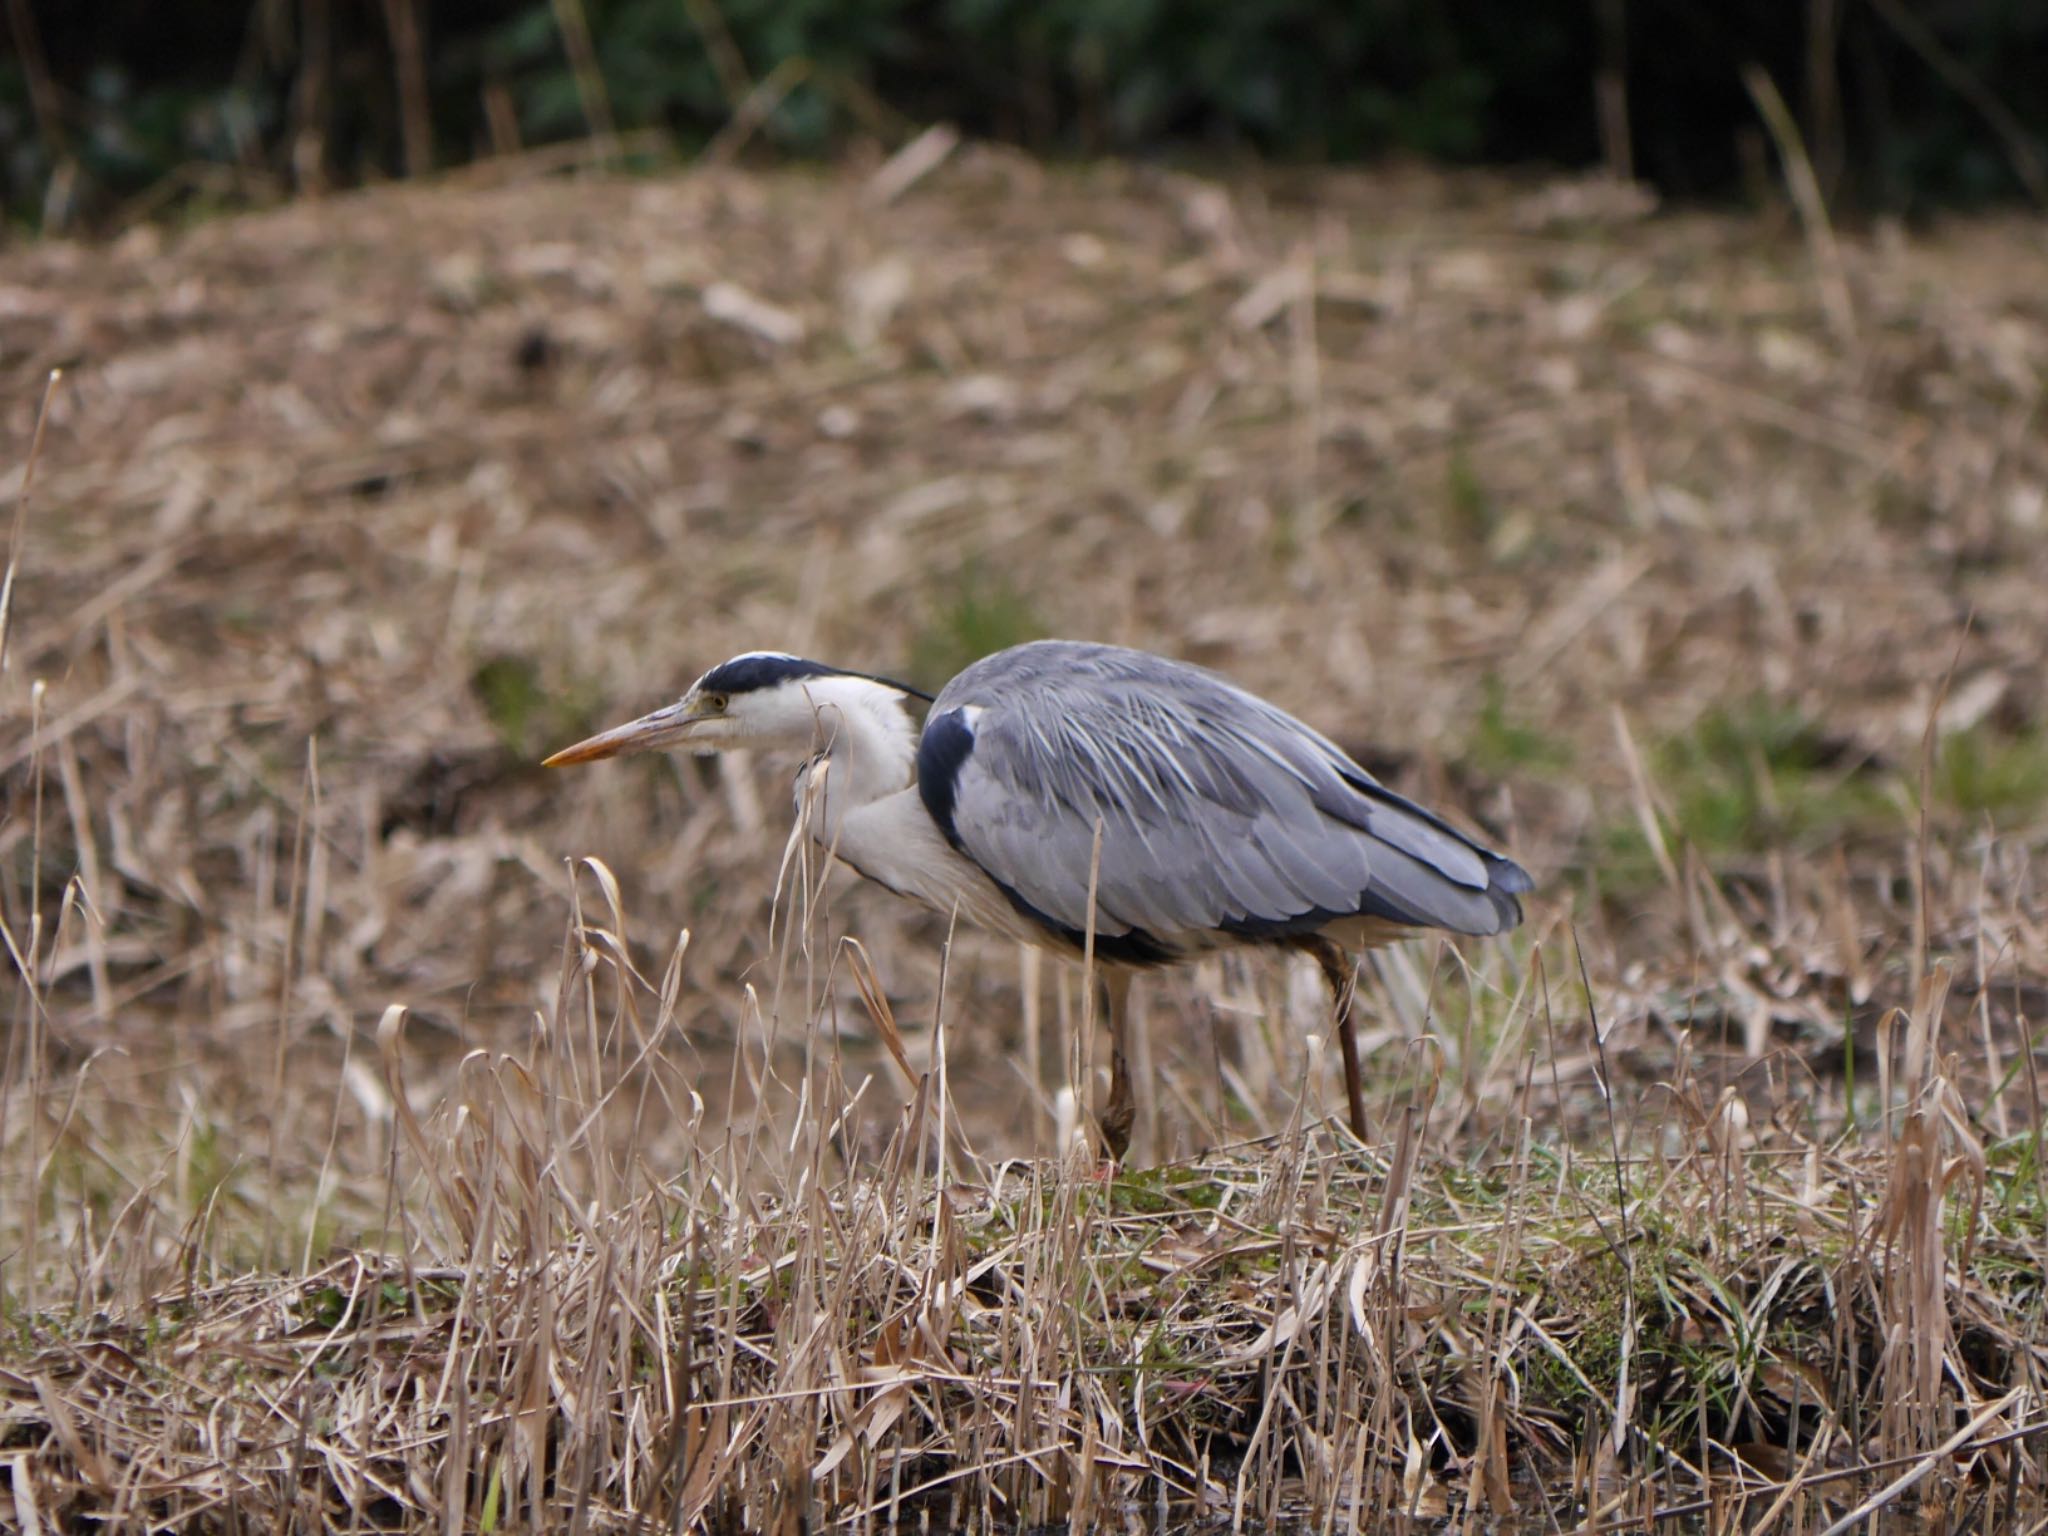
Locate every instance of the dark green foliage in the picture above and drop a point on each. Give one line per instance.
(144, 91)
(1294, 76)
(659, 69)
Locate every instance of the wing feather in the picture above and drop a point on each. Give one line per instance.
(1218, 812)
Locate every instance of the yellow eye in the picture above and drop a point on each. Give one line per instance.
(712, 703)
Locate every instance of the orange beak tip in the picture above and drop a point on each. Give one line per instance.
(570, 756)
(650, 733)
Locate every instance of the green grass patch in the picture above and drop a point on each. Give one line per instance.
(1759, 774)
(1470, 509)
(1983, 773)
(532, 715)
(1751, 776)
(1503, 743)
(985, 614)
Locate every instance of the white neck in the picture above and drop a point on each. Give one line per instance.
(867, 747)
(858, 797)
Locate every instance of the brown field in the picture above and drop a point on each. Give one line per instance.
(1701, 560)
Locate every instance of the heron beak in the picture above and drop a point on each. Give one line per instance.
(650, 733)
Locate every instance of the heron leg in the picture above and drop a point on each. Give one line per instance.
(1121, 1112)
(1342, 975)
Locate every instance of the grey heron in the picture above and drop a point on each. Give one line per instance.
(1222, 820)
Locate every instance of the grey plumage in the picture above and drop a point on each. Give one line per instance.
(1223, 818)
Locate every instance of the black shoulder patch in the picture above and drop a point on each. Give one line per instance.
(941, 750)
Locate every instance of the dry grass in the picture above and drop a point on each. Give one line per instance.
(1718, 1189)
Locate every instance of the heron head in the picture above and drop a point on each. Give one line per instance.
(761, 700)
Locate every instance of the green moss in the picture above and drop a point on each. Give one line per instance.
(1155, 1191)
(325, 1307)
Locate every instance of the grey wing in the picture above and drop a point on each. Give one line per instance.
(1219, 814)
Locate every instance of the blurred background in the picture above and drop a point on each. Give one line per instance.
(1618, 424)
(117, 109)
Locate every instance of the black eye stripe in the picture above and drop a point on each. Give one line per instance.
(749, 674)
